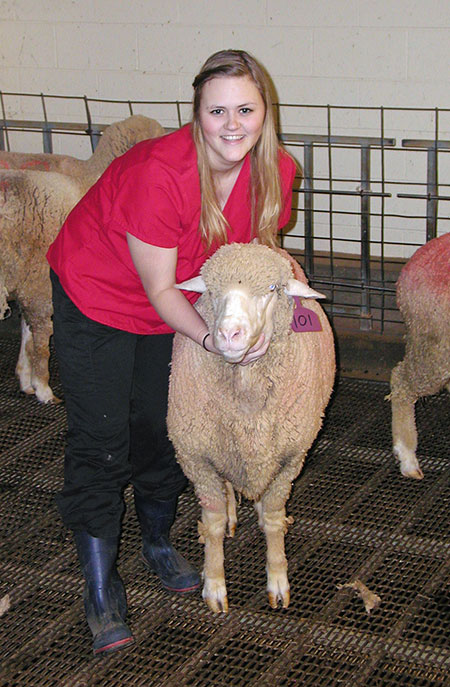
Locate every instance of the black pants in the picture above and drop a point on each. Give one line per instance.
(115, 386)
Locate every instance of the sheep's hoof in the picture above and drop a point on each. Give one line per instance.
(54, 401)
(414, 474)
(218, 606)
(231, 529)
(47, 397)
(409, 465)
(215, 596)
(285, 599)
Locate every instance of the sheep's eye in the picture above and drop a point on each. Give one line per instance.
(272, 287)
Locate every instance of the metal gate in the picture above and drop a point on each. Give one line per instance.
(366, 203)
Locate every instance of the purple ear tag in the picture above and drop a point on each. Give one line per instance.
(304, 320)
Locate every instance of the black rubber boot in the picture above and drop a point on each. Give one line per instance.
(104, 594)
(158, 554)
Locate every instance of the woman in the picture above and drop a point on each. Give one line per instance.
(151, 220)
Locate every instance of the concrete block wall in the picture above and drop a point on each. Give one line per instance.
(357, 53)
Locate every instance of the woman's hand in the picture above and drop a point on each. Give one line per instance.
(256, 351)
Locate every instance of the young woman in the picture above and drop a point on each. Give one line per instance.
(153, 218)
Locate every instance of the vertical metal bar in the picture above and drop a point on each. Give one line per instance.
(4, 137)
(47, 140)
(95, 137)
(44, 109)
(365, 323)
(308, 185)
(432, 184)
(89, 123)
(382, 256)
(330, 206)
(432, 203)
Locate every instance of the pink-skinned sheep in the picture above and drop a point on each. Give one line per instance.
(423, 298)
(33, 207)
(247, 428)
(116, 139)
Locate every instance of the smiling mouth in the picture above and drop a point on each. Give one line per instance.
(237, 137)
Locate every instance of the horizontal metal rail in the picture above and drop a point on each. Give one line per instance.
(368, 188)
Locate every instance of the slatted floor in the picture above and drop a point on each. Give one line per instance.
(355, 518)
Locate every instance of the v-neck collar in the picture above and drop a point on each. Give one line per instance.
(242, 178)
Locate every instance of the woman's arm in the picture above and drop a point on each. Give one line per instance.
(157, 268)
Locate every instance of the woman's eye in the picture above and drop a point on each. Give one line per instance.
(245, 110)
(217, 111)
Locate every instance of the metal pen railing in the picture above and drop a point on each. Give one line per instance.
(360, 284)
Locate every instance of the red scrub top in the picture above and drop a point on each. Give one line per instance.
(152, 192)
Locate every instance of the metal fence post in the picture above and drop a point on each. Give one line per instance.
(308, 186)
(366, 323)
(432, 191)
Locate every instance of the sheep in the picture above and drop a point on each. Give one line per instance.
(423, 298)
(248, 427)
(116, 139)
(33, 207)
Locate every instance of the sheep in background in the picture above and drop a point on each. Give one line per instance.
(248, 428)
(423, 298)
(116, 139)
(33, 207)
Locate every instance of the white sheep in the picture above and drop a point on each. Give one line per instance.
(33, 207)
(116, 139)
(248, 428)
(423, 298)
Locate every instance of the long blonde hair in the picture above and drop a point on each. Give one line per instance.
(265, 185)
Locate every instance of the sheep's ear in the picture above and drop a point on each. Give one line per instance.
(194, 284)
(298, 288)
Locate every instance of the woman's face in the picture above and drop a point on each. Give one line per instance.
(231, 117)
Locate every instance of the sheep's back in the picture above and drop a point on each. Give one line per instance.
(42, 162)
(33, 207)
(426, 278)
(423, 297)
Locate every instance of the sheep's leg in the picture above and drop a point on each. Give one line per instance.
(212, 532)
(404, 432)
(231, 509)
(23, 366)
(274, 525)
(41, 332)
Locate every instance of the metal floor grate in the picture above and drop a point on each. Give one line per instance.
(355, 517)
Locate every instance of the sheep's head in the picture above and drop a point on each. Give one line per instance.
(248, 288)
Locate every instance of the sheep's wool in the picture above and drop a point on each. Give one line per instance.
(251, 425)
(230, 265)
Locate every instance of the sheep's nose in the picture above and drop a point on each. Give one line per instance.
(231, 336)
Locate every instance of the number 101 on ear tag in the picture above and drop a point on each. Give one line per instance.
(304, 320)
